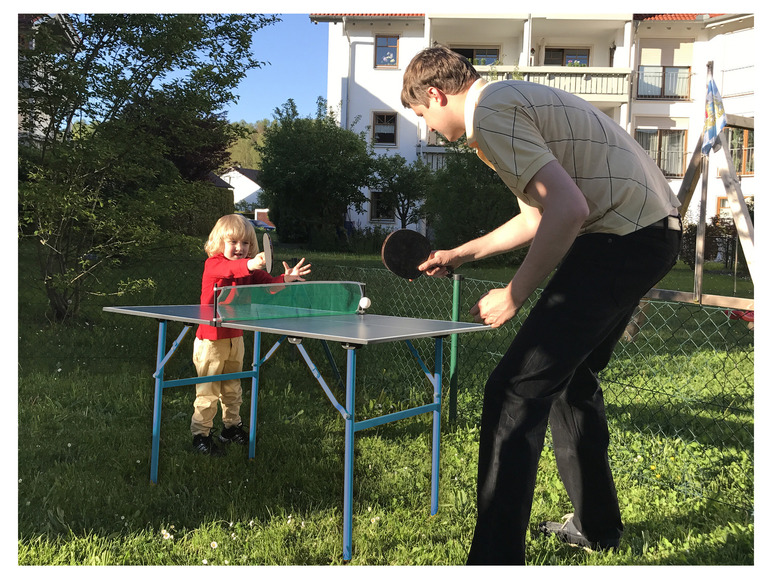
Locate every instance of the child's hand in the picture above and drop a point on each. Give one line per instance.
(257, 262)
(295, 273)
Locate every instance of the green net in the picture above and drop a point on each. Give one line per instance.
(288, 300)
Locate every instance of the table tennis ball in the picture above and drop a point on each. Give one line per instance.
(364, 303)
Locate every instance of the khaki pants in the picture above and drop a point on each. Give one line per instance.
(212, 357)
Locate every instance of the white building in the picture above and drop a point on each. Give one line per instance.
(646, 71)
(244, 184)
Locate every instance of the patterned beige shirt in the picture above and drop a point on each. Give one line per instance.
(517, 127)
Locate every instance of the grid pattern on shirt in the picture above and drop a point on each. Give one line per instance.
(521, 126)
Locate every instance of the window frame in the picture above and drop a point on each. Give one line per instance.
(665, 80)
(376, 209)
(377, 124)
(661, 145)
(474, 50)
(746, 150)
(564, 55)
(376, 48)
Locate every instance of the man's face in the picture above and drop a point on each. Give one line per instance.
(439, 117)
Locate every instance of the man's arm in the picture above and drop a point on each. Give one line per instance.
(564, 211)
(516, 233)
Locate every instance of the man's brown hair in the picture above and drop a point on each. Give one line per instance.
(438, 67)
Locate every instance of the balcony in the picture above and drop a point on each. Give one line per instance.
(595, 84)
(663, 83)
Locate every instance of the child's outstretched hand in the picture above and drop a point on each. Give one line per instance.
(296, 273)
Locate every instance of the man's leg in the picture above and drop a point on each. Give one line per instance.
(596, 287)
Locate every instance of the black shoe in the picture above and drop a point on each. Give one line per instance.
(205, 445)
(568, 533)
(235, 434)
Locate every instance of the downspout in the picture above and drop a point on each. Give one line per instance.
(348, 74)
(631, 55)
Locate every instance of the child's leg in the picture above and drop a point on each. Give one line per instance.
(230, 390)
(209, 357)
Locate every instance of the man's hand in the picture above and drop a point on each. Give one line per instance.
(439, 264)
(495, 308)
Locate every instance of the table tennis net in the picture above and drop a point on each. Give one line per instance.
(287, 300)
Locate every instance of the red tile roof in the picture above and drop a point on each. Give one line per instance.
(687, 17)
(670, 17)
(391, 15)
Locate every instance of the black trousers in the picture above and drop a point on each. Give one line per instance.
(550, 374)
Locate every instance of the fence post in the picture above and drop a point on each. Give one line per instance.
(457, 278)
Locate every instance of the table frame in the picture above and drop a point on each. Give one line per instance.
(347, 411)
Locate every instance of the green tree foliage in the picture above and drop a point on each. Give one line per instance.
(120, 120)
(466, 199)
(312, 171)
(245, 151)
(402, 186)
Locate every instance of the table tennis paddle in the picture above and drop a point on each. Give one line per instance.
(403, 251)
(268, 252)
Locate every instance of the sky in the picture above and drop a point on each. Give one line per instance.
(297, 51)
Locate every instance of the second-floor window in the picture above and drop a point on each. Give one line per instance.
(566, 57)
(479, 56)
(664, 82)
(386, 51)
(385, 129)
(667, 147)
(741, 149)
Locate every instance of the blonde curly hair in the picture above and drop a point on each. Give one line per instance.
(234, 227)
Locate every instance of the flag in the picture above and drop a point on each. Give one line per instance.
(715, 118)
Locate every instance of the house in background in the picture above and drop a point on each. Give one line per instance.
(648, 72)
(244, 184)
(246, 189)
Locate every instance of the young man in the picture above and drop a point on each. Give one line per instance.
(597, 208)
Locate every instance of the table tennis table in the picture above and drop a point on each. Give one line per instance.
(352, 330)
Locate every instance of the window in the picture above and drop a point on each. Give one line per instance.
(741, 149)
(386, 51)
(385, 129)
(724, 209)
(380, 212)
(566, 57)
(480, 56)
(667, 147)
(664, 82)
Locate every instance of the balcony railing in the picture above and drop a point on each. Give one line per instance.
(596, 83)
(663, 82)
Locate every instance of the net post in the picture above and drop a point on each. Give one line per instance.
(453, 388)
(214, 306)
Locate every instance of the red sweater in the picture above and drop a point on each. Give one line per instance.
(226, 272)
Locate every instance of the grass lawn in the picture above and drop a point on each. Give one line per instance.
(84, 497)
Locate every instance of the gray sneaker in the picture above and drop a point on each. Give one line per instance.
(568, 533)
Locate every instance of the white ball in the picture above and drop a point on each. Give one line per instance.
(365, 303)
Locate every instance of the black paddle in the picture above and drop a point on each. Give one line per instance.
(403, 251)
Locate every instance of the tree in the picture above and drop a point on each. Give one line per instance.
(466, 199)
(402, 186)
(120, 119)
(245, 151)
(312, 171)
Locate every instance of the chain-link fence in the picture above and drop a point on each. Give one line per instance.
(682, 371)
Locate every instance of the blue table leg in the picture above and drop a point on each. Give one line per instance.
(253, 400)
(348, 458)
(159, 381)
(436, 425)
